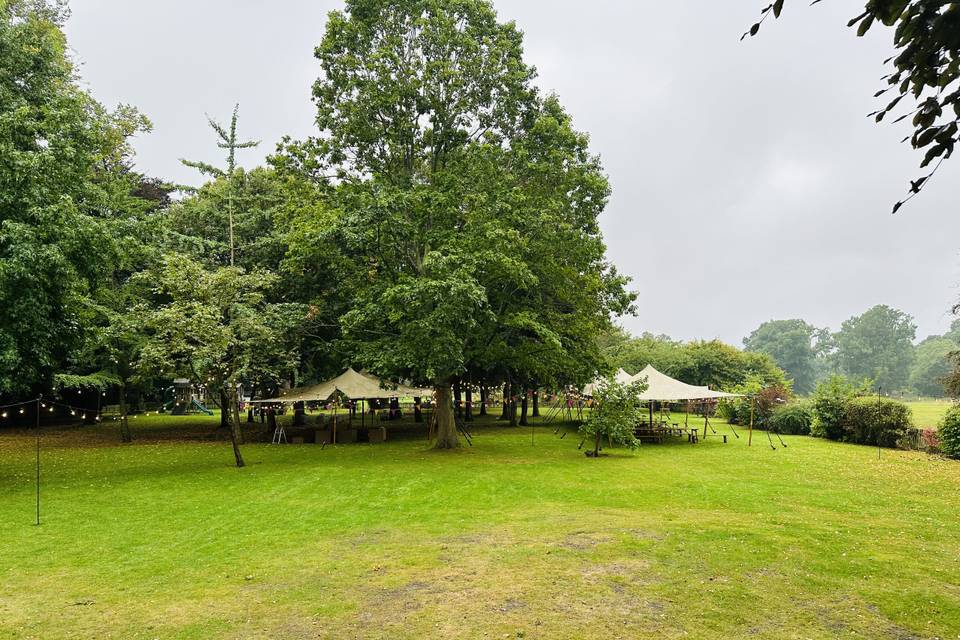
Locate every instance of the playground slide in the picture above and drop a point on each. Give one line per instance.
(199, 407)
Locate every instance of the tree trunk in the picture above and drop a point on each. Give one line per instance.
(596, 446)
(457, 404)
(468, 406)
(483, 400)
(125, 434)
(523, 409)
(234, 411)
(536, 403)
(224, 409)
(513, 406)
(417, 409)
(505, 409)
(445, 420)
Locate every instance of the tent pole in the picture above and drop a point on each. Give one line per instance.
(363, 413)
(650, 408)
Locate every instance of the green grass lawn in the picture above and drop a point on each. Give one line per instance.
(927, 413)
(165, 539)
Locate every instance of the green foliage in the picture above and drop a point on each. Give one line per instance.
(466, 205)
(878, 345)
(877, 422)
(217, 326)
(615, 415)
(65, 197)
(793, 345)
(763, 398)
(925, 67)
(711, 363)
(948, 432)
(931, 366)
(830, 401)
(794, 418)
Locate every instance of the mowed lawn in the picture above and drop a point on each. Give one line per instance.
(165, 539)
(927, 413)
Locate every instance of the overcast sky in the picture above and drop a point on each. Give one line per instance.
(747, 183)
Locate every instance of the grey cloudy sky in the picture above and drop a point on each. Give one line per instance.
(747, 183)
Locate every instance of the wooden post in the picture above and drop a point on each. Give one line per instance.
(750, 437)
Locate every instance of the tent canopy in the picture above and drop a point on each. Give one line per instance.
(663, 388)
(354, 385)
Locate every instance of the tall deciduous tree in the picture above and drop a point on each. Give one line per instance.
(878, 345)
(793, 344)
(218, 328)
(430, 124)
(62, 156)
(932, 366)
(925, 69)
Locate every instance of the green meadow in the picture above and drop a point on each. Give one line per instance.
(518, 536)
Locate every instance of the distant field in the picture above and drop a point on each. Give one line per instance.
(927, 413)
(519, 536)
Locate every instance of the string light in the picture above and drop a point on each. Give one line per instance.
(4, 414)
(21, 410)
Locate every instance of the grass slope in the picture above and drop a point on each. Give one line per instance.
(164, 539)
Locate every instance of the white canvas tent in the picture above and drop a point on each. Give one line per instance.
(663, 388)
(354, 385)
(620, 376)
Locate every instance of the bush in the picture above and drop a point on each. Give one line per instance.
(829, 402)
(876, 422)
(615, 414)
(949, 432)
(794, 418)
(765, 399)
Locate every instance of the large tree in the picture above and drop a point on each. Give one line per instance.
(453, 176)
(61, 162)
(932, 366)
(217, 327)
(877, 345)
(925, 68)
(794, 346)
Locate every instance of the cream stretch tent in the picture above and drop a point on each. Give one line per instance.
(621, 376)
(663, 388)
(354, 385)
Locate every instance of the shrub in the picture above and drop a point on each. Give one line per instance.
(765, 400)
(949, 432)
(615, 414)
(829, 401)
(876, 422)
(794, 418)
